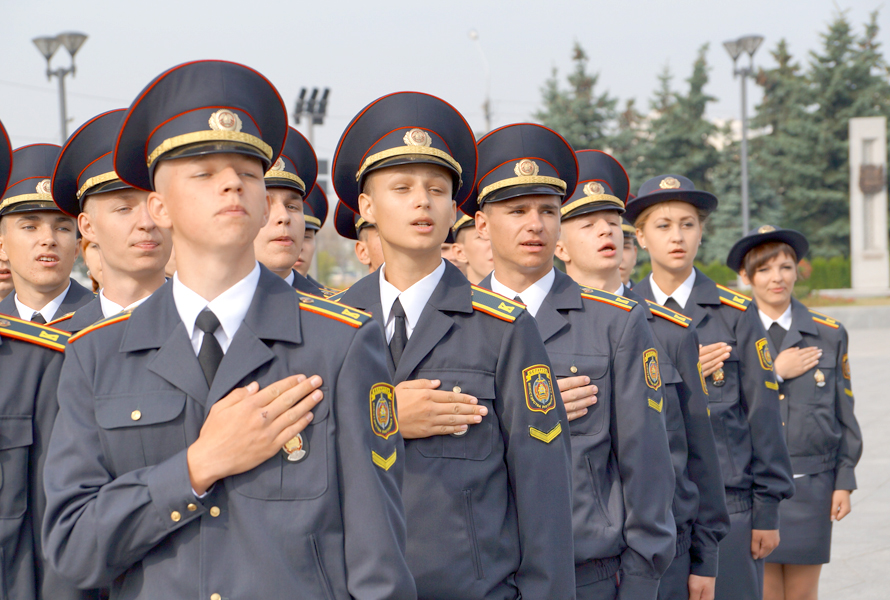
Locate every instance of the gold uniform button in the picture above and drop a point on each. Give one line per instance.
(781, 396)
(214, 511)
(136, 415)
(456, 389)
(573, 369)
(176, 516)
(192, 507)
(215, 597)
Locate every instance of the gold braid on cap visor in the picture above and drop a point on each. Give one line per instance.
(526, 180)
(312, 220)
(588, 200)
(25, 198)
(210, 135)
(286, 175)
(405, 150)
(94, 181)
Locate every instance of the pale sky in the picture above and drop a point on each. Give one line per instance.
(363, 50)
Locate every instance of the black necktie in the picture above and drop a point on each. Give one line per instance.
(211, 353)
(400, 333)
(776, 336)
(673, 305)
(518, 298)
(38, 318)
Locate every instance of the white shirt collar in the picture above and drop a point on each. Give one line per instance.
(290, 278)
(784, 321)
(532, 296)
(110, 308)
(681, 294)
(230, 308)
(49, 311)
(413, 299)
(620, 290)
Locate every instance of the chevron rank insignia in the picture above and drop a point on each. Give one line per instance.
(384, 422)
(666, 313)
(333, 310)
(119, 317)
(383, 463)
(763, 353)
(824, 319)
(539, 396)
(495, 305)
(733, 298)
(656, 406)
(607, 298)
(35, 333)
(548, 436)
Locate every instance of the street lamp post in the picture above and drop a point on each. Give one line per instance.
(314, 108)
(748, 44)
(486, 106)
(47, 47)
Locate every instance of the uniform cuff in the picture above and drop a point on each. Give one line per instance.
(637, 588)
(703, 562)
(765, 515)
(845, 479)
(171, 491)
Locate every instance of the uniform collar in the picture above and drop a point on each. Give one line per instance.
(620, 290)
(784, 321)
(48, 311)
(110, 308)
(413, 300)
(532, 296)
(680, 295)
(290, 278)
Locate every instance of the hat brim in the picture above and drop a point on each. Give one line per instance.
(592, 207)
(740, 249)
(509, 193)
(705, 201)
(32, 206)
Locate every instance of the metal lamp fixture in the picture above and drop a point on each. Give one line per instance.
(72, 41)
(315, 108)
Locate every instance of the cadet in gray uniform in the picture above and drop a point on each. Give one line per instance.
(185, 461)
(622, 476)
(590, 246)
(39, 241)
(816, 399)
(112, 215)
(742, 390)
(487, 478)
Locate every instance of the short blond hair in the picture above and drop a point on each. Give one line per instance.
(643, 217)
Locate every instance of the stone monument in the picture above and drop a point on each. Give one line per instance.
(868, 206)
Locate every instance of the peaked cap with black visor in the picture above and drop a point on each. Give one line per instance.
(523, 159)
(666, 188)
(200, 108)
(603, 184)
(762, 235)
(348, 223)
(315, 208)
(85, 165)
(30, 180)
(402, 129)
(297, 166)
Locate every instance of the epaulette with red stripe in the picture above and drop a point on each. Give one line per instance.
(494, 304)
(671, 315)
(333, 310)
(732, 298)
(60, 319)
(338, 296)
(121, 316)
(607, 298)
(36, 333)
(825, 319)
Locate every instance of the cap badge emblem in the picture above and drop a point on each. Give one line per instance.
(593, 188)
(279, 165)
(766, 229)
(526, 168)
(44, 187)
(417, 137)
(225, 120)
(669, 183)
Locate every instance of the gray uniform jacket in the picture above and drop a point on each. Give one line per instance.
(76, 297)
(744, 404)
(820, 428)
(622, 477)
(83, 317)
(489, 512)
(699, 501)
(120, 507)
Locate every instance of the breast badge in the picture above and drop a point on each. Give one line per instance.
(766, 359)
(650, 366)
(297, 448)
(384, 422)
(538, 389)
(718, 378)
(819, 376)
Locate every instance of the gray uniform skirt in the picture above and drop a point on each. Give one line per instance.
(804, 522)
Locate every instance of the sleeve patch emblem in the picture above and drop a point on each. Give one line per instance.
(384, 422)
(766, 359)
(538, 389)
(650, 366)
(701, 376)
(845, 367)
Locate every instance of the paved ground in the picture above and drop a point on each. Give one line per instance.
(860, 554)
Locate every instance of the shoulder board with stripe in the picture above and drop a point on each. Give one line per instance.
(60, 319)
(333, 310)
(329, 292)
(666, 313)
(607, 298)
(733, 298)
(494, 304)
(338, 296)
(36, 333)
(121, 316)
(825, 319)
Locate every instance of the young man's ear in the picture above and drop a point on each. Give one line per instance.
(268, 210)
(482, 225)
(561, 252)
(459, 253)
(86, 227)
(361, 252)
(158, 210)
(365, 208)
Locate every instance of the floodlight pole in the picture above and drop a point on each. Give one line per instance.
(63, 104)
(72, 41)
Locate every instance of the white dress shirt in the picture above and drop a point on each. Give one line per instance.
(680, 295)
(230, 308)
(48, 311)
(532, 296)
(110, 308)
(413, 299)
(784, 320)
(620, 290)
(290, 278)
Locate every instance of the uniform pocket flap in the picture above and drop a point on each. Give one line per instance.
(15, 431)
(828, 360)
(136, 410)
(475, 383)
(669, 373)
(594, 366)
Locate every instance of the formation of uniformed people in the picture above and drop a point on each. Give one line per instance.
(466, 421)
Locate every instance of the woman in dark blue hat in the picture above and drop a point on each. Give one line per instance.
(743, 398)
(816, 399)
